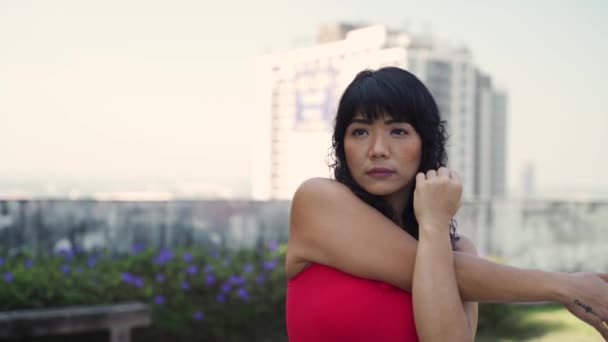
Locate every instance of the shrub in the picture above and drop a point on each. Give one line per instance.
(202, 293)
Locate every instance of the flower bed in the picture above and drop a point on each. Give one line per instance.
(202, 293)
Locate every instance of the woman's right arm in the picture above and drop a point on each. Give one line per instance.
(331, 226)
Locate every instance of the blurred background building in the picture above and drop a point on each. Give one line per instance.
(296, 94)
(527, 180)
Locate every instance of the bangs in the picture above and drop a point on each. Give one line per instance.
(375, 99)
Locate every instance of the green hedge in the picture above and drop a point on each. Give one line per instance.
(197, 294)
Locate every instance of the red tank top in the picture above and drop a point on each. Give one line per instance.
(325, 304)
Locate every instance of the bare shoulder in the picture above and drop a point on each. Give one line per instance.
(324, 200)
(319, 187)
(314, 197)
(319, 195)
(311, 202)
(466, 245)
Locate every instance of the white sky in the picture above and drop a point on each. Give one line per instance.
(160, 90)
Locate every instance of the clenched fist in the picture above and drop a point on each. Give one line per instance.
(437, 198)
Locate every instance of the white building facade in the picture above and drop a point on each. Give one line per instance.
(296, 94)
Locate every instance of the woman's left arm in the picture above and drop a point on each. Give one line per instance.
(439, 312)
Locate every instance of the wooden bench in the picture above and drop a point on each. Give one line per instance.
(119, 319)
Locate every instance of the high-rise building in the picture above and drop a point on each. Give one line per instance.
(449, 73)
(528, 186)
(296, 94)
(498, 169)
(489, 139)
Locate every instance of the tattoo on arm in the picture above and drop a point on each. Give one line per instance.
(585, 307)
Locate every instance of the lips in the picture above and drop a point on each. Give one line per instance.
(380, 170)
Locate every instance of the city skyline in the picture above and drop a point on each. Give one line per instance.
(147, 93)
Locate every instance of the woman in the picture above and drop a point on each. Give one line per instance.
(373, 256)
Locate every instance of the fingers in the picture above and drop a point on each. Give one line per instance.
(602, 328)
(598, 321)
(420, 177)
(604, 276)
(443, 172)
(589, 317)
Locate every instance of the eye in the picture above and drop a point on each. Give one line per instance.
(358, 132)
(399, 131)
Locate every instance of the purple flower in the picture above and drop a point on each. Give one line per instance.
(199, 315)
(70, 254)
(138, 282)
(272, 245)
(164, 256)
(138, 247)
(225, 288)
(208, 269)
(92, 262)
(187, 256)
(78, 250)
(185, 285)
(8, 276)
(127, 277)
(192, 269)
(260, 279)
(29, 263)
(214, 253)
(269, 265)
(242, 293)
(65, 268)
(1, 261)
(221, 298)
(167, 253)
(248, 268)
(236, 280)
(159, 299)
(210, 279)
(160, 277)
(67, 252)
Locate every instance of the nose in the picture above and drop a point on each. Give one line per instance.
(379, 147)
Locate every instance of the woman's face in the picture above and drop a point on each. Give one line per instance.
(383, 156)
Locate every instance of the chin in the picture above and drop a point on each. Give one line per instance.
(381, 190)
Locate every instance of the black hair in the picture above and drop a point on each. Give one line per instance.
(398, 93)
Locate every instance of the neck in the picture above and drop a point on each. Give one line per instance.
(398, 201)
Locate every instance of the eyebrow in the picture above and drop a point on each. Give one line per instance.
(368, 122)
